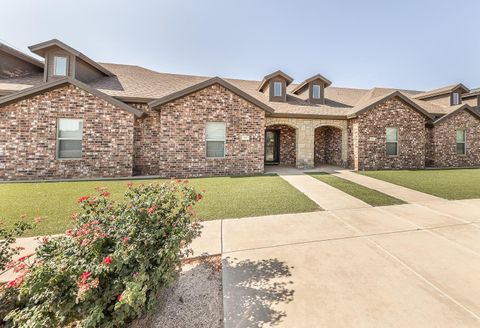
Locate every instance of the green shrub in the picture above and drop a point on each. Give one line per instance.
(8, 296)
(7, 238)
(110, 267)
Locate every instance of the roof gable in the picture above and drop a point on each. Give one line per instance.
(465, 107)
(302, 86)
(268, 77)
(202, 85)
(30, 92)
(41, 49)
(369, 103)
(441, 91)
(21, 55)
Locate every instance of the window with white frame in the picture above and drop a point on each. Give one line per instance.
(461, 142)
(455, 98)
(215, 139)
(59, 66)
(69, 138)
(316, 91)
(277, 89)
(392, 141)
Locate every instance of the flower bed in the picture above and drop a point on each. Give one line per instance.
(109, 268)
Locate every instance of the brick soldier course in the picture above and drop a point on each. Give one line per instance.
(141, 122)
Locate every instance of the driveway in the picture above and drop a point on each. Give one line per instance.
(413, 265)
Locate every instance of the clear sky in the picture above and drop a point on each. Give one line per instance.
(422, 44)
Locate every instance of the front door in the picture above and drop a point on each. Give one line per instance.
(272, 146)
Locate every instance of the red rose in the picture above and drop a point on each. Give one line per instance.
(199, 197)
(107, 260)
(12, 284)
(84, 277)
(83, 198)
(106, 194)
(152, 209)
(120, 297)
(125, 239)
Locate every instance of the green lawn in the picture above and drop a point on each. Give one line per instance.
(225, 197)
(449, 184)
(369, 196)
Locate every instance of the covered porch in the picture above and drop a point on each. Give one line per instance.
(305, 143)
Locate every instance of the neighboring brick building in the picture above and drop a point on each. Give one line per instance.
(409, 121)
(447, 151)
(71, 117)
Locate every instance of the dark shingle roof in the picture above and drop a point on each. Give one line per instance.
(133, 83)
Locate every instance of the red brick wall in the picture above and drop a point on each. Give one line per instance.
(372, 136)
(429, 147)
(28, 137)
(147, 142)
(288, 143)
(444, 141)
(173, 141)
(328, 146)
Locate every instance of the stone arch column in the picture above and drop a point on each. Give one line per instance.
(344, 130)
(305, 137)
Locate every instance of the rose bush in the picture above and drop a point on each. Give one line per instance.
(109, 268)
(8, 295)
(7, 238)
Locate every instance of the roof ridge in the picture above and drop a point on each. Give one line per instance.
(157, 72)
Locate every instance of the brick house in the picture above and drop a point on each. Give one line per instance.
(68, 116)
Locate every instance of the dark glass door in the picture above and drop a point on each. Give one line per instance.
(272, 147)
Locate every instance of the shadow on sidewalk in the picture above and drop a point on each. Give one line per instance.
(251, 291)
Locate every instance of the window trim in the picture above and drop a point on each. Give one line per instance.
(459, 100)
(396, 142)
(224, 140)
(464, 142)
(275, 83)
(55, 65)
(319, 91)
(60, 139)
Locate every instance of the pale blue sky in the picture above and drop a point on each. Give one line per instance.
(420, 44)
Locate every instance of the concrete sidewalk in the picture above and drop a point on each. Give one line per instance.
(398, 266)
(326, 196)
(407, 195)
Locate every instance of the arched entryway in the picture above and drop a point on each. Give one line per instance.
(328, 146)
(280, 145)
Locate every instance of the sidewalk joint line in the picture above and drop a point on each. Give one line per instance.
(421, 277)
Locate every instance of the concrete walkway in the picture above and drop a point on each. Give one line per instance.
(326, 196)
(398, 266)
(405, 194)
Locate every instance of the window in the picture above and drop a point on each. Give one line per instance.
(277, 89)
(461, 142)
(392, 141)
(69, 138)
(215, 138)
(60, 66)
(316, 91)
(455, 98)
